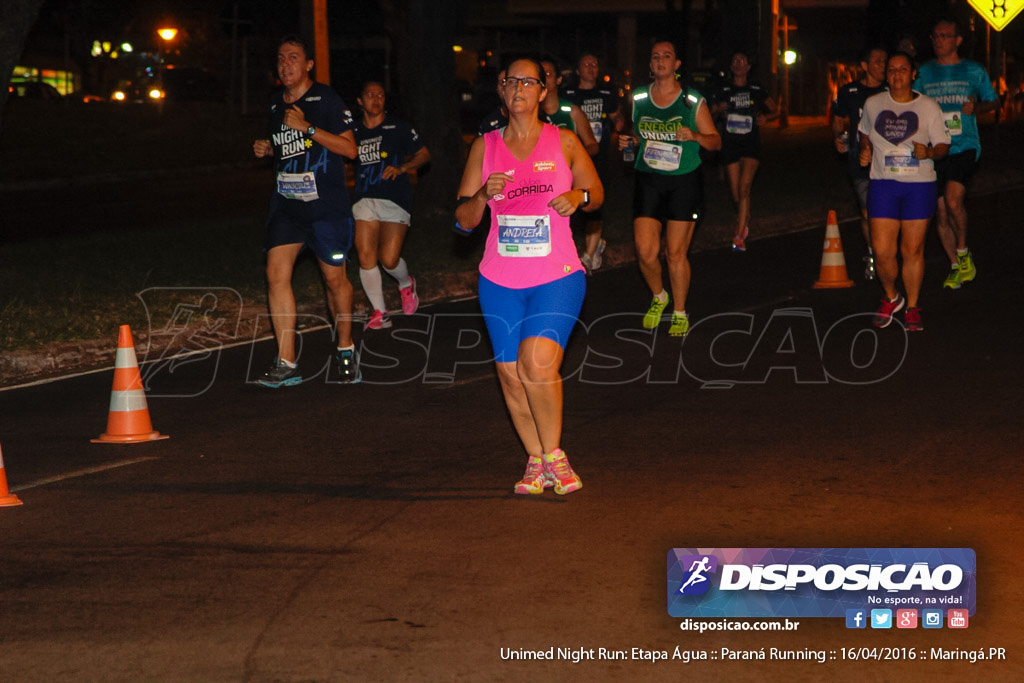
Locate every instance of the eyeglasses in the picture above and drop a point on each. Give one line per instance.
(513, 82)
(943, 36)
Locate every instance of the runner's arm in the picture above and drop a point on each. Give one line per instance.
(343, 143)
(418, 159)
(583, 130)
(472, 193)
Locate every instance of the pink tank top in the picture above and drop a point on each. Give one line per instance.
(529, 244)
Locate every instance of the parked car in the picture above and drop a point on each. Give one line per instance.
(183, 84)
(138, 92)
(33, 90)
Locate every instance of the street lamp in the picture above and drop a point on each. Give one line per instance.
(167, 34)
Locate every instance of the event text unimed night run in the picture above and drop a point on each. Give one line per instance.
(577, 655)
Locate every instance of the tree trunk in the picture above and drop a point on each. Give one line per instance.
(16, 20)
(428, 87)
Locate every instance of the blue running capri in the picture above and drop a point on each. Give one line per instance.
(513, 315)
(903, 201)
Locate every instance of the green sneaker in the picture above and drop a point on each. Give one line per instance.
(953, 279)
(967, 269)
(653, 316)
(680, 325)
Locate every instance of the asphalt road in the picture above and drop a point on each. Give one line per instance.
(369, 532)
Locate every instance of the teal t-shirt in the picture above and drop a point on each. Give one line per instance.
(951, 85)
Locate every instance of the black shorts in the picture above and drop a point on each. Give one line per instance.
(669, 197)
(957, 167)
(736, 147)
(327, 233)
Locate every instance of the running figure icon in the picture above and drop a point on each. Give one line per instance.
(696, 570)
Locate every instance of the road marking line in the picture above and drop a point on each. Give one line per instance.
(81, 473)
(463, 382)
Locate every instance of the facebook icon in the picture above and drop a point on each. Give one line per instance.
(856, 618)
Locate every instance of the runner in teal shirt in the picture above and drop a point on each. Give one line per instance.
(963, 90)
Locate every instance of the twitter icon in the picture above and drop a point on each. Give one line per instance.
(881, 618)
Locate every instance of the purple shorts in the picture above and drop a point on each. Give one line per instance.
(901, 201)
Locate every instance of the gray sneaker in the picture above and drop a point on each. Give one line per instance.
(348, 366)
(598, 259)
(280, 375)
(592, 263)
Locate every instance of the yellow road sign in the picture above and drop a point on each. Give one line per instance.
(998, 13)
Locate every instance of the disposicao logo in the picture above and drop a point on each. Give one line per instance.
(695, 581)
(817, 582)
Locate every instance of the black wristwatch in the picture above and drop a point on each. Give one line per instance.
(586, 199)
(311, 131)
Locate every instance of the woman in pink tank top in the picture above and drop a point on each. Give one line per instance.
(533, 176)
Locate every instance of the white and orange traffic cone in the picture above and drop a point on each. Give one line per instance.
(833, 263)
(7, 499)
(128, 421)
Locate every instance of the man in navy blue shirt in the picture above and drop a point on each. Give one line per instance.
(310, 137)
(846, 112)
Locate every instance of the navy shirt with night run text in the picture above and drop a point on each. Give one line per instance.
(743, 104)
(598, 104)
(849, 103)
(296, 152)
(389, 144)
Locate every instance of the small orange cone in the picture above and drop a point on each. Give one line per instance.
(833, 264)
(7, 499)
(128, 421)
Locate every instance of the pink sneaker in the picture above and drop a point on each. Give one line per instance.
(558, 469)
(380, 320)
(410, 300)
(888, 309)
(534, 479)
(912, 320)
(739, 242)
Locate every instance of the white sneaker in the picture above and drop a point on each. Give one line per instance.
(598, 259)
(592, 263)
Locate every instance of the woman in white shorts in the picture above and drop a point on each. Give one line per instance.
(389, 150)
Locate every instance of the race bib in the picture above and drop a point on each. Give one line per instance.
(524, 236)
(900, 163)
(598, 128)
(954, 122)
(737, 124)
(662, 156)
(301, 186)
